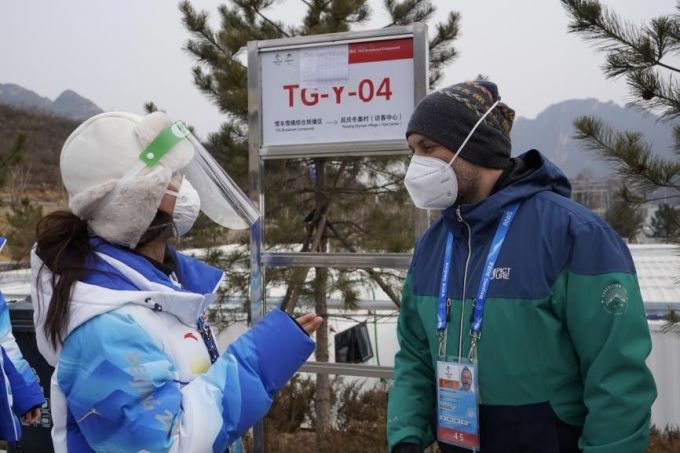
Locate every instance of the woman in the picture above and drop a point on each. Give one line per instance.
(20, 392)
(121, 314)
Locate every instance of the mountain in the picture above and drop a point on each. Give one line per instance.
(552, 132)
(11, 94)
(45, 134)
(68, 104)
(72, 105)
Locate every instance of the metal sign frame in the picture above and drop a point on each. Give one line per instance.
(418, 32)
(258, 154)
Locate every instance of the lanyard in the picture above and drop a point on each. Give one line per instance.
(208, 339)
(444, 301)
(478, 314)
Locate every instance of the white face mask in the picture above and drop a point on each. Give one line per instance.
(187, 207)
(431, 182)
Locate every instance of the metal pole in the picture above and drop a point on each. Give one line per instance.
(257, 288)
(257, 153)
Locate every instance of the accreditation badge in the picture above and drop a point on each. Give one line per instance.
(457, 407)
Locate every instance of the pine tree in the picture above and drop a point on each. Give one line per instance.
(666, 222)
(322, 203)
(641, 55)
(12, 157)
(23, 215)
(626, 219)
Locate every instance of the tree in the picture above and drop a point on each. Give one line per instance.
(666, 222)
(23, 220)
(23, 215)
(12, 157)
(641, 55)
(626, 218)
(320, 203)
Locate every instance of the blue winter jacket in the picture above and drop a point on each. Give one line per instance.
(134, 373)
(19, 388)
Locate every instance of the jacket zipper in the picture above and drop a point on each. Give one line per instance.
(465, 278)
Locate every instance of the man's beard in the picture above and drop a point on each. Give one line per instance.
(468, 186)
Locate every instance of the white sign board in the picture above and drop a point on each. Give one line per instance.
(358, 91)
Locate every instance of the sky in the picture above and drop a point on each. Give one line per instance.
(121, 54)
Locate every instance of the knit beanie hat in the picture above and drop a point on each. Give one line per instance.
(448, 115)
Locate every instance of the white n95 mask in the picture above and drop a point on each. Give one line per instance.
(187, 207)
(431, 182)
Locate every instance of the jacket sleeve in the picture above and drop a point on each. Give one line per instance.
(122, 390)
(24, 382)
(411, 404)
(606, 321)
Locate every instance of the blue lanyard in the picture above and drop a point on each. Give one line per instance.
(480, 300)
(498, 239)
(208, 339)
(443, 312)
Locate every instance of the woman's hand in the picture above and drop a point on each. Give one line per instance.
(310, 322)
(31, 416)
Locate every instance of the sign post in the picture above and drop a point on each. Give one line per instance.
(333, 95)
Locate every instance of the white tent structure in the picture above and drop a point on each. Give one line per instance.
(658, 268)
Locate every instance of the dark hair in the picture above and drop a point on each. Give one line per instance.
(63, 245)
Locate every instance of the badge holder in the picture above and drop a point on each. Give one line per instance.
(457, 383)
(457, 403)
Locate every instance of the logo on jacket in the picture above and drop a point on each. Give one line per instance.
(501, 273)
(615, 299)
(190, 335)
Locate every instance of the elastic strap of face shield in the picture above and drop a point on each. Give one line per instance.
(163, 143)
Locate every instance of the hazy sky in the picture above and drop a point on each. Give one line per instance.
(122, 53)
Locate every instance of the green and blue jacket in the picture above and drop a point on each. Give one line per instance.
(564, 338)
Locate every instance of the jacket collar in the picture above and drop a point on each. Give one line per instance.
(485, 214)
(193, 275)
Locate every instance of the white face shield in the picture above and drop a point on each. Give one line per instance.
(221, 199)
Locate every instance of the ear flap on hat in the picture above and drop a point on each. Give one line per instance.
(125, 218)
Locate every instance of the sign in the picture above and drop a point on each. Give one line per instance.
(356, 91)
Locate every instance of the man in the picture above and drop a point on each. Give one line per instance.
(560, 354)
(466, 379)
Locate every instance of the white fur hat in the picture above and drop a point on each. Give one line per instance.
(95, 158)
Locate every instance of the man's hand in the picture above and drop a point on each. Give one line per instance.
(310, 322)
(31, 416)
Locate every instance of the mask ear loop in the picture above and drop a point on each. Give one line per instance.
(472, 131)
